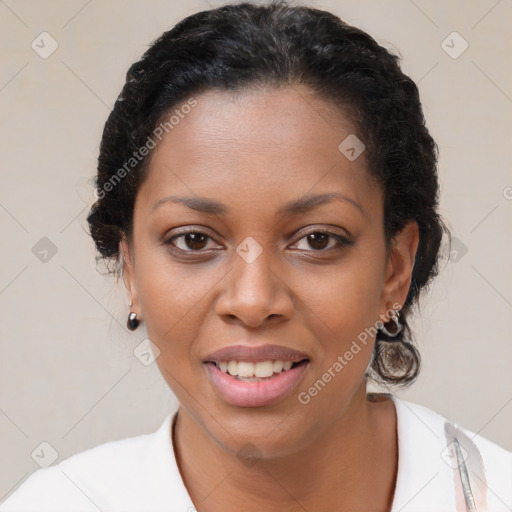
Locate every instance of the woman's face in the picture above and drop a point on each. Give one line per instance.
(307, 280)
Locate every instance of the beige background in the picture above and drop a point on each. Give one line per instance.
(68, 374)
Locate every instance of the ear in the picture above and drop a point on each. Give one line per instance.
(129, 275)
(399, 267)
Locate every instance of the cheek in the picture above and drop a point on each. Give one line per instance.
(174, 306)
(174, 301)
(346, 306)
(346, 298)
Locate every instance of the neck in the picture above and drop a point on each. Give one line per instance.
(353, 463)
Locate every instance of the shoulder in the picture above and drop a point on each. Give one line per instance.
(94, 479)
(455, 453)
(489, 449)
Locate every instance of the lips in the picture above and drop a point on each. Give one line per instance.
(256, 354)
(252, 376)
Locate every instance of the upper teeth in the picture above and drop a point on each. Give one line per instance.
(248, 369)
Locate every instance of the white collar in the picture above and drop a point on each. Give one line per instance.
(425, 482)
(427, 479)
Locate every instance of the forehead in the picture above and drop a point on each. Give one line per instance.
(247, 146)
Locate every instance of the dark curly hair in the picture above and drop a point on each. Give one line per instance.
(248, 45)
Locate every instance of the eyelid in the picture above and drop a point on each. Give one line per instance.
(184, 230)
(325, 228)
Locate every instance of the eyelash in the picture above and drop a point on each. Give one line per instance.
(340, 239)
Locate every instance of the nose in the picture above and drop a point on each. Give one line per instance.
(255, 293)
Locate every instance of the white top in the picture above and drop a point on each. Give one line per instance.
(140, 474)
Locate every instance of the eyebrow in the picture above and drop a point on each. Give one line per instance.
(301, 205)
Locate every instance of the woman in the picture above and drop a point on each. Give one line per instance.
(268, 191)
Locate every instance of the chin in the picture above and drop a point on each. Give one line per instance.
(268, 432)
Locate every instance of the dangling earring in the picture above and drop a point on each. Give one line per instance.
(132, 323)
(396, 330)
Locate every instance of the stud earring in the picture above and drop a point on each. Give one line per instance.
(132, 323)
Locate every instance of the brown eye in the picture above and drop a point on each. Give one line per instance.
(191, 241)
(319, 241)
(195, 241)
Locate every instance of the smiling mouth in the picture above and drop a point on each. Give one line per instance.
(247, 371)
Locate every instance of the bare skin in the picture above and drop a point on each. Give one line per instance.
(255, 151)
